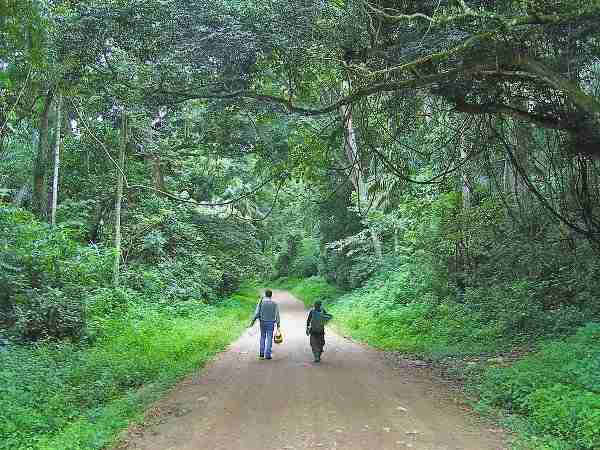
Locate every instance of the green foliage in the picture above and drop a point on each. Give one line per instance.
(45, 277)
(307, 263)
(392, 311)
(64, 395)
(22, 26)
(557, 388)
(133, 342)
(48, 276)
(298, 257)
(310, 290)
(288, 255)
(337, 221)
(17, 162)
(194, 253)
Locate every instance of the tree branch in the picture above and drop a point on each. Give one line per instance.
(583, 101)
(391, 86)
(543, 201)
(497, 108)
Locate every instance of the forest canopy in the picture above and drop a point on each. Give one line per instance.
(437, 162)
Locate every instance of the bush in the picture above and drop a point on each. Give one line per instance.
(53, 314)
(312, 289)
(48, 277)
(287, 256)
(45, 276)
(65, 395)
(190, 254)
(557, 388)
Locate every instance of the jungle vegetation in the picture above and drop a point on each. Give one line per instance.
(430, 167)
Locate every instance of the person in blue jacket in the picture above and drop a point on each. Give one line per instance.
(267, 312)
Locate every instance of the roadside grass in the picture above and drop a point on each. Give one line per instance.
(550, 397)
(57, 396)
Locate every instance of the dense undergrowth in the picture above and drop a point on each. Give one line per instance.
(62, 395)
(79, 357)
(551, 395)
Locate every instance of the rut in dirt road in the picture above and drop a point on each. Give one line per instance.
(351, 401)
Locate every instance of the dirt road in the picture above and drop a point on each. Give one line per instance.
(353, 400)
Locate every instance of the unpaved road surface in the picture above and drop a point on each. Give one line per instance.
(353, 400)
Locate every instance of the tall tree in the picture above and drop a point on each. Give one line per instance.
(357, 171)
(40, 167)
(57, 142)
(119, 197)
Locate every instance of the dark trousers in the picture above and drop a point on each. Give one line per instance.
(317, 342)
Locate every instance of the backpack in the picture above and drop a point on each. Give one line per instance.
(318, 321)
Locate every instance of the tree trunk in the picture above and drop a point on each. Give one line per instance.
(377, 247)
(158, 179)
(356, 170)
(522, 148)
(3, 132)
(39, 200)
(462, 245)
(508, 175)
(120, 183)
(21, 195)
(56, 161)
(465, 186)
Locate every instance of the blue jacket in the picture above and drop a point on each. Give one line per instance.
(266, 311)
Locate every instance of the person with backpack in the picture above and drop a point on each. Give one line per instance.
(267, 312)
(315, 328)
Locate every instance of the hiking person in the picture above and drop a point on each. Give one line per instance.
(267, 312)
(315, 328)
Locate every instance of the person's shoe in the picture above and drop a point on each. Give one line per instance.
(268, 357)
(261, 356)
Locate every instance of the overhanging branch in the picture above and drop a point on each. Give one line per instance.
(498, 108)
(391, 86)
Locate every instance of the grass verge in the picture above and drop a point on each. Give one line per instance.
(550, 396)
(63, 396)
